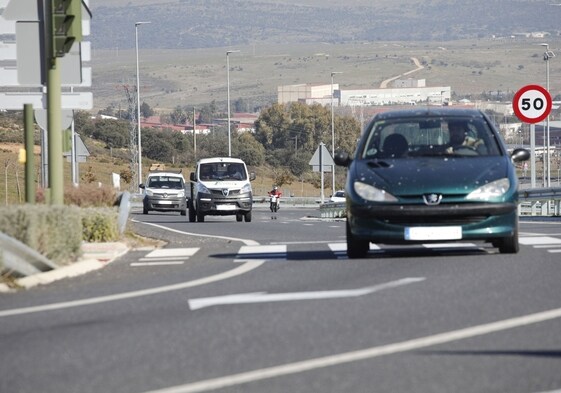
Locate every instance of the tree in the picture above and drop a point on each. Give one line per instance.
(178, 116)
(146, 110)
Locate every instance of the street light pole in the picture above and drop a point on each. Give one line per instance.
(332, 135)
(228, 83)
(546, 56)
(138, 103)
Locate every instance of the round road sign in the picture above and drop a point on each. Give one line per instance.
(532, 103)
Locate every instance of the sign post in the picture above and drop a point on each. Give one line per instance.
(532, 104)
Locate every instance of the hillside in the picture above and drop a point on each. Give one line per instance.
(215, 23)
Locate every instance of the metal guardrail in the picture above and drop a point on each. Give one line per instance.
(20, 259)
(333, 210)
(540, 202)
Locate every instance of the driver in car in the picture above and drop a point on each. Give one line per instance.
(459, 137)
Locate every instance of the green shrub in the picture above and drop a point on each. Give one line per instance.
(53, 231)
(100, 225)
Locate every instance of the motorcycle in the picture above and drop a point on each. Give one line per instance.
(275, 203)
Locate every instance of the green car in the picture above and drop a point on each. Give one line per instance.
(431, 175)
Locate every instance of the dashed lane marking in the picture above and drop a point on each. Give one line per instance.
(166, 257)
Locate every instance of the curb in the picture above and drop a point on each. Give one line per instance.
(95, 256)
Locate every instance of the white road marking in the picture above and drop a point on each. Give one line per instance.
(247, 242)
(276, 251)
(241, 269)
(364, 354)
(450, 245)
(554, 251)
(173, 252)
(264, 297)
(532, 241)
(161, 263)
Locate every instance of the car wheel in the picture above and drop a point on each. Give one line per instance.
(239, 217)
(247, 217)
(356, 248)
(183, 212)
(200, 217)
(509, 245)
(144, 211)
(192, 213)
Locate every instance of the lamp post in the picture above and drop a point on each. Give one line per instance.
(138, 103)
(546, 56)
(228, 83)
(333, 134)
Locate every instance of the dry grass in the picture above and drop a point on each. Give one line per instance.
(193, 77)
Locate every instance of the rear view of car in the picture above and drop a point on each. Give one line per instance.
(414, 180)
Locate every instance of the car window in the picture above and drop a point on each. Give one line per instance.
(412, 137)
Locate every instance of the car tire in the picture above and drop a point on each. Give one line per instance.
(183, 212)
(200, 217)
(356, 248)
(247, 217)
(192, 213)
(239, 217)
(144, 210)
(509, 245)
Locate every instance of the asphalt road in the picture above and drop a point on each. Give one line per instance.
(275, 306)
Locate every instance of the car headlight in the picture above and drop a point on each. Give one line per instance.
(149, 192)
(201, 188)
(181, 194)
(371, 193)
(491, 190)
(246, 189)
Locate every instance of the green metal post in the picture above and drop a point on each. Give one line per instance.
(29, 156)
(54, 125)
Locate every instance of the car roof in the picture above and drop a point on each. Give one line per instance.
(436, 111)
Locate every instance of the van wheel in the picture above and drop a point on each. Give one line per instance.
(200, 217)
(183, 212)
(239, 217)
(144, 211)
(247, 217)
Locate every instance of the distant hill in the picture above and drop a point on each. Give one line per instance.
(188, 24)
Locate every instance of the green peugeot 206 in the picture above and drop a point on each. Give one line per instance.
(431, 175)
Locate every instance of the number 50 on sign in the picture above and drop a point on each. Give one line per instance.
(532, 104)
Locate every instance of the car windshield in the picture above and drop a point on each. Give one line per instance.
(414, 137)
(166, 182)
(222, 171)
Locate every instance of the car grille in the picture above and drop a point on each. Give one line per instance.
(434, 221)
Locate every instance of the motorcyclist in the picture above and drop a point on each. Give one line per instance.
(275, 192)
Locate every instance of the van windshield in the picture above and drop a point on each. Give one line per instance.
(222, 171)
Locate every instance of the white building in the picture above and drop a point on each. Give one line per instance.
(414, 92)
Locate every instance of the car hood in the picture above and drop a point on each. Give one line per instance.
(413, 176)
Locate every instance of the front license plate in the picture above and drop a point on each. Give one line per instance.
(164, 202)
(226, 207)
(433, 233)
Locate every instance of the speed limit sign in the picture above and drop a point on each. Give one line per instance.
(532, 103)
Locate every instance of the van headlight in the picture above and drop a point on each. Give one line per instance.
(495, 189)
(246, 189)
(371, 193)
(181, 194)
(201, 188)
(149, 192)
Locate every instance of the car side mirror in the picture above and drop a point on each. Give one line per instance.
(141, 185)
(520, 155)
(192, 176)
(342, 158)
(252, 176)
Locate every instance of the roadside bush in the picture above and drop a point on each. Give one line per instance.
(100, 225)
(53, 231)
(87, 195)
